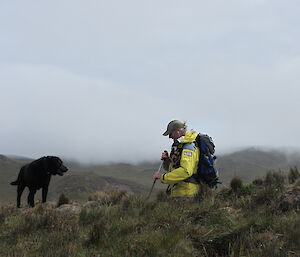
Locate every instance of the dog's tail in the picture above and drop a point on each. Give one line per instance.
(17, 182)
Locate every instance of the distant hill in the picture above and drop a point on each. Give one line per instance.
(78, 185)
(8, 172)
(81, 180)
(247, 163)
(139, 173)
(253, 162)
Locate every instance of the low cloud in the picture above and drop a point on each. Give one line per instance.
(99, 81)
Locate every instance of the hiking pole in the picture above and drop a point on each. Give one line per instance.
(160, 166)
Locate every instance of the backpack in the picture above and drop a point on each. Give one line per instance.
(206, 172)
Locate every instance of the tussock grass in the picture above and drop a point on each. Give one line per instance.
(63, 199)
(236, 184)
(293, 175)
(244, 222)
(107, 197)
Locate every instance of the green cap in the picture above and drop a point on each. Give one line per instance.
(172, 126)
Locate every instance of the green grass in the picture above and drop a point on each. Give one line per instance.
(115, 223)
(246, 219)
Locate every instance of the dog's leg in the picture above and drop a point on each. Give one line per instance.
(44, 194)
(19, 193)
(30, 199)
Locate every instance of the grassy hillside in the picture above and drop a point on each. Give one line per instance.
(139, 173)
(77, 183)
(81, 180)
(247, 220)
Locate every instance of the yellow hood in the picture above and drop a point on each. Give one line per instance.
(189, 137)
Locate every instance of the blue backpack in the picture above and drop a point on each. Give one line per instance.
(206, 172)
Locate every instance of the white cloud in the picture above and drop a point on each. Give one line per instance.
(51, 110)
(100, 80)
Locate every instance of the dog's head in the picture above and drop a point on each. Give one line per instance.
(55, 166)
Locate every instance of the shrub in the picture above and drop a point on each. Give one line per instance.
(265, 196)
(271, 190)
(293, 174)
(236, 184)
(111, 197)
(275, 179)
(247, 189)
(62, 200)
(258, 182)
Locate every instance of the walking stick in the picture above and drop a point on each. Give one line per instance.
(159, 169)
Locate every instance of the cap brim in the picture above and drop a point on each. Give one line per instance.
(166, 133)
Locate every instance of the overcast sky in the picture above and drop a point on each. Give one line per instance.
(100, 80)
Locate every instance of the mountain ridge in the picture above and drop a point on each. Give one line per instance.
(247, 164)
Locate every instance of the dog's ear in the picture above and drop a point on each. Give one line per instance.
(48, 164)
(54, 163)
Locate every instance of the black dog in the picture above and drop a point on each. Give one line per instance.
(36, 175)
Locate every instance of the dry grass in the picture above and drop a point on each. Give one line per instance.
(248, 223)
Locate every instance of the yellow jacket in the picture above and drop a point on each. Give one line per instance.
(188, 166)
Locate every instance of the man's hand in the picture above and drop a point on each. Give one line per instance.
(157, 175)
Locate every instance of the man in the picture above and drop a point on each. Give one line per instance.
(182, 162)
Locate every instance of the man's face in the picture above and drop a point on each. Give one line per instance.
(175, 134)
